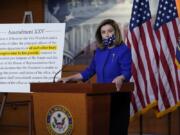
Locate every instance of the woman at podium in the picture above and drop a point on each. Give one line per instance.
(112, 64)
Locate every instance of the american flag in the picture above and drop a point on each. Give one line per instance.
(145, 58)
(167, 31)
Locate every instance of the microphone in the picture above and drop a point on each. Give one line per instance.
(74, 58)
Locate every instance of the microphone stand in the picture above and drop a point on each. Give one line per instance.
(74, 58)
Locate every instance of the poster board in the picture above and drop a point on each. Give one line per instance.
(29, 53)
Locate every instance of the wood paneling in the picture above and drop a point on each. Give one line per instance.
(12, 11)
(157, 126)
(16, 116)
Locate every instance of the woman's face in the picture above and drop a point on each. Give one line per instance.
(107, 31)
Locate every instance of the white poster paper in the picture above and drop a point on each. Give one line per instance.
(29, 53)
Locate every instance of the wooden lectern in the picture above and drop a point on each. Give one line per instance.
(89, 105)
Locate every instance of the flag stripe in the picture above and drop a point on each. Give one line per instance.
(171, 79)
(133, 103)
(155, 50)
(138, 48)
(151, 73)
(137, 94)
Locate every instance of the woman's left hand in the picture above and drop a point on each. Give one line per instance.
(118, 81)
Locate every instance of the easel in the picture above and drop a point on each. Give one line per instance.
(27, 18)
(3, 104)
